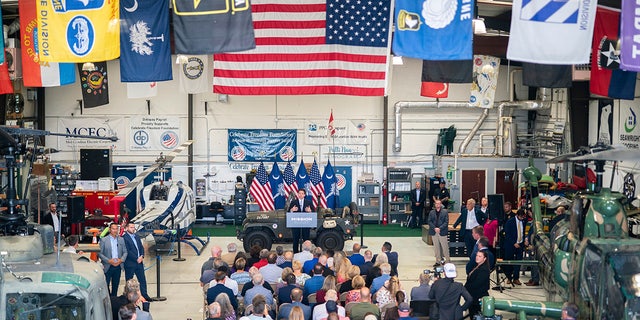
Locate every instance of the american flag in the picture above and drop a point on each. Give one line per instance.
(260, 189)
(317, 188)
(290, 184)
(311, 47)
(330, 128)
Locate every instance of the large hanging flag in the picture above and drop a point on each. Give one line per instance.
(485, 80)
(78, 31)
(317, 187)
(260, 189)
(302, 180)
(547, 75)
(94, 85)
(290, 184)
(551, 32)
(137, 90)
(6, 86)
(330, 183)
(144, 41)
(205, 27)
(607, 79)
(277, 187)
(194, 74)
(630, 36)
(434, 89)
(311, 47)
(36, 73)
(429, 31)
(447, 71)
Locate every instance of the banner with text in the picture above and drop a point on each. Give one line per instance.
(154, 133)
(628, 129)
(262, 145)
(96, 127)
(347, 132)
(341, 152)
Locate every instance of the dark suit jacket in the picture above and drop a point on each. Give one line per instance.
(284, 293)
(511, 235)
(447, 293)
(441, 222)
(478, 282)
(296, 202)
(48, 219)
(219, 288)
(423, 198)
(132, 255)
(462, 219)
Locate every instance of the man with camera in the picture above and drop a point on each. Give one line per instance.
(447, 293)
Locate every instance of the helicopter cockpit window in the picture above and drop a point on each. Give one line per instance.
(591, 274)
(44, 306)
(624, 276)
(159, 192)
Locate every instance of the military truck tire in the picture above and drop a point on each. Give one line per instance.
(330, 239)
(257, 237)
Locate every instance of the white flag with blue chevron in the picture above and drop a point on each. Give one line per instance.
(551, 31)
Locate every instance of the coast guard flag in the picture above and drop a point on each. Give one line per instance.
(94, 85)
(194, 75)
(607, 79)
(317, 187)
(311, 47)
(302, 180)
(78, 31)
(277, 187)
(434, 32)
(36, 73)
(290, 184)
(330, 183)
(260, 189)
(144, 41)
(629, 32)
(551, 32)
(485, 80)
(204, 27)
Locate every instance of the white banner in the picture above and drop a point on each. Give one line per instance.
(98, 127)
(154, 133)
(344, 153)
(347, 132)
(628, 129)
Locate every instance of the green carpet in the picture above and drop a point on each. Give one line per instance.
(370, 230)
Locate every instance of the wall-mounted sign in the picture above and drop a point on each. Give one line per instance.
(254, 145)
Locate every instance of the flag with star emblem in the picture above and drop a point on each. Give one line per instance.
(629, 57)
(260, 189)
(551, 32)
(330, 183)
(290, 184)
(94, 85)
(277, 187)
(434, 32)
(317, 187)
(607, 79)
(311, 47)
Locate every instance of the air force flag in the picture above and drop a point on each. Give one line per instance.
(434, 29)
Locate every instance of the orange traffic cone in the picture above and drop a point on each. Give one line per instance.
(384, 219)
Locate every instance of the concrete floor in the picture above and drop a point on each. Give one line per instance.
(179, 279)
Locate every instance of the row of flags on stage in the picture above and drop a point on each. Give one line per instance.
(271, 190)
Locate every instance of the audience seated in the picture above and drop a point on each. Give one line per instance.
(258, 289)
(249, 284)
(347, 285)
(307, 267)
(254, 256)
(304, 255)
(260, 309)
(356, 258)
(354, 294)
(328, 284)
(271, 272)
(284, 293)
(421, 292)
(264, 254)
(230, 257)
(360, 309)
(219, 288)
(214, 311)
(288, 260)
(387, 293)
(320, 310)
(368, 263)
(314, 283)
(296, 301)
(378, 282)
(301, 277)
(227, 312)
(240, 276)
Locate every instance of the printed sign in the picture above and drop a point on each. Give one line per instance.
(91, 127)
(253, 145)
(346, 132)
(302, 220)
(154, 133)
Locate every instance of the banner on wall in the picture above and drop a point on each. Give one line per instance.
(346, 132)
(628, 129)
(254, 145)
(98, 127)
(341, 152)
(154, 133)
(344, 185)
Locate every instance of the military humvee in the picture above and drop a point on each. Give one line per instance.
(264, 228)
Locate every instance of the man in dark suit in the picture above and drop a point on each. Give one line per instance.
(113, 252)
(219, 288)
(133, 265)
(514, 245)
(52, 218)
(438, 229)
(418, 197)
(469, 218)
(302, 204)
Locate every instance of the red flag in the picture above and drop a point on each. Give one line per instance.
(5, 82)
(434, 89)
(331, 129)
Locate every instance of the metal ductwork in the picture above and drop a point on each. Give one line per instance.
(474, 130)
(417, 106)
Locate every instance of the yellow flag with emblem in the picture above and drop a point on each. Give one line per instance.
(78, 30)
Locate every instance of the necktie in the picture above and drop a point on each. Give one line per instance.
(301, 205)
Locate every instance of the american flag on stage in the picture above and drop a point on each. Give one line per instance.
(311, 47)
(260, 189)
(290, 184)
(317, 187)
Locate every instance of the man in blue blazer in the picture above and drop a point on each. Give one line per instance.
(438, 229)
(514, 245)
(470, 217)
(133, 265)
(113, 252)
(301, 204)
(418, 198)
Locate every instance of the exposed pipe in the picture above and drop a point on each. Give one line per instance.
(474, 130)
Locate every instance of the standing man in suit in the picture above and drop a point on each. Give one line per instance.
(469, 218)
(133, 265)
(301, 204)
(514, 245)
(113, 252)
(52, 218)
(418, 197)
(438, 229)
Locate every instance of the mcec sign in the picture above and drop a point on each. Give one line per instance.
(89, 131)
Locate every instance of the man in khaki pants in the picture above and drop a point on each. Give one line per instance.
(438, 229)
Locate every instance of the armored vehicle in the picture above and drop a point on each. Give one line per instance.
(264, 228)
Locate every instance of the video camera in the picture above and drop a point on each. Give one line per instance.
(436, 272)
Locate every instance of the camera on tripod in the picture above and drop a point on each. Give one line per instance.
(435, 273)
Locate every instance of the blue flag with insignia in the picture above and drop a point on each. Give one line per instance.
(330, 183)
(430, 32)
(302, 178)
(277, 187)
(144, 41)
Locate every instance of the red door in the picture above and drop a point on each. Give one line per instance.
(507, 184)
(473, 186)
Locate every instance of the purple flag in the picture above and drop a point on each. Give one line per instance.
(629, 49)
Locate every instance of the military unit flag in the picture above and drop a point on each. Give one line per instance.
(630, 35)
(330, 183)
(277, 187)
(194, 74)
(94, 85)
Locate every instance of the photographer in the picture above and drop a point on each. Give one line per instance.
(447, 293)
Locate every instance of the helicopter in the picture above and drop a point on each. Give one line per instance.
(35, 283)
(589, 258)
